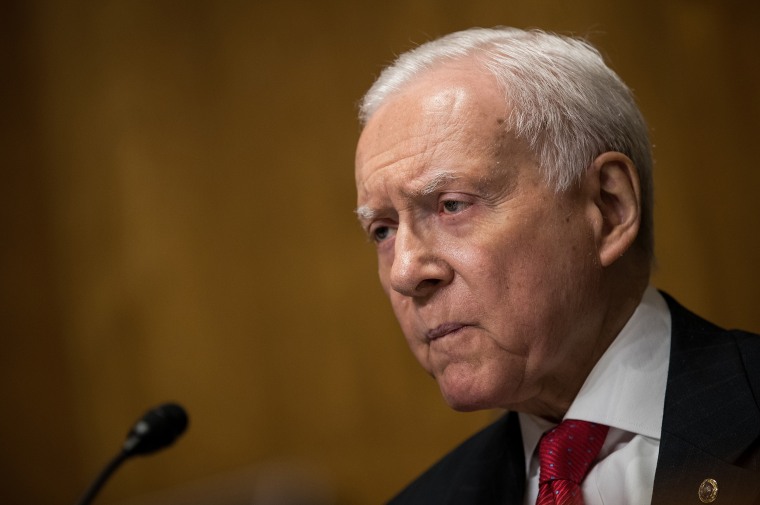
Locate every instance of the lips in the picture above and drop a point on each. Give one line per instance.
(443, 330)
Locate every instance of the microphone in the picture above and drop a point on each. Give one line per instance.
(158, 428)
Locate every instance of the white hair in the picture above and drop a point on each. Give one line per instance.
(566, 103)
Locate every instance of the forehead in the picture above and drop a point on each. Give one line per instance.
(447, 119)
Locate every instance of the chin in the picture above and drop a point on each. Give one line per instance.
(469, 404)
(466, 398)
(466, 407)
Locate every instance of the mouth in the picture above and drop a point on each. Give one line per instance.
(443, 330)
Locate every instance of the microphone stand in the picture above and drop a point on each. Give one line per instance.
(109, 469)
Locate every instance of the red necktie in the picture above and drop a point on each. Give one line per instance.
(565, 454)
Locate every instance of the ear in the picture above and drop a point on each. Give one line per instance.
(615, 195)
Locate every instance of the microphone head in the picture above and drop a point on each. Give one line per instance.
(158, 428)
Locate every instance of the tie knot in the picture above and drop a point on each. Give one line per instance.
(567, 451)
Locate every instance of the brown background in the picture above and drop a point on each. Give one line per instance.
(176, 225)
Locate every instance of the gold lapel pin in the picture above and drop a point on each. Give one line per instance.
(708, 491)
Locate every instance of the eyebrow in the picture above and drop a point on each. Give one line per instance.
(365, 213)
(440, 178)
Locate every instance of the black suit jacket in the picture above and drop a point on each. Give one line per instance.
(711, 430)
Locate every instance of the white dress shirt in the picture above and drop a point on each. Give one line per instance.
(626, 391)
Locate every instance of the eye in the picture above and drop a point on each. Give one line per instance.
(379, 233)
(453, 206)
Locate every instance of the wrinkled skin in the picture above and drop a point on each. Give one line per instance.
(498, 282)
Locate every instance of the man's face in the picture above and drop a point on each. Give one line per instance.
(492, 275)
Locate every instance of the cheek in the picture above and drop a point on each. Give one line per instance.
(405, 316)
(407, 319)
(476, 259)
(519, 288)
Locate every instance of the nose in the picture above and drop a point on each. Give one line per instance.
(419, 269)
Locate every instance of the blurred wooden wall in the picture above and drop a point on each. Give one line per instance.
(177, 196)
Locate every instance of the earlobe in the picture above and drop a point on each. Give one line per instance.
(617, 197)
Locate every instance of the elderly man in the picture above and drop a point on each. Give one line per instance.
(505, 178)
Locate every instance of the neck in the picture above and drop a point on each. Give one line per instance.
(616, 308)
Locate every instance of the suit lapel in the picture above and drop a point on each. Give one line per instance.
(495, 475)
(488, 469)
(711, 419)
